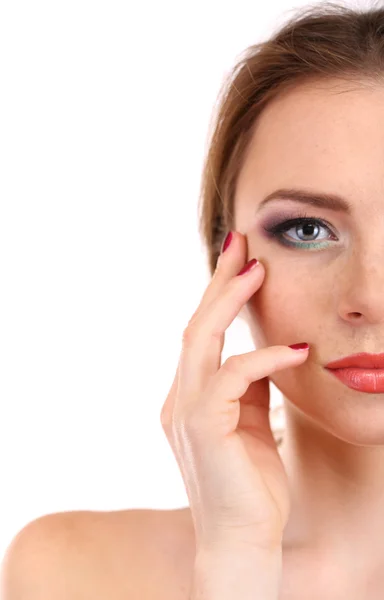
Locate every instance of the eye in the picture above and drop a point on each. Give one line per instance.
(307, 229)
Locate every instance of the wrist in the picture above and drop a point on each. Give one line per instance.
(233, 571)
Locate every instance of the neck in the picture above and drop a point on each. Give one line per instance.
(336, 490)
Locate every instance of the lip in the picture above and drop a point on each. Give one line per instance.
(362, 360)
(363, 380)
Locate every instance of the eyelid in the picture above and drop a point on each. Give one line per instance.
(280, 219)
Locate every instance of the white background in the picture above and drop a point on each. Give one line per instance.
(105, 107)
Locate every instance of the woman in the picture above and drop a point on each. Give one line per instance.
(295, 170)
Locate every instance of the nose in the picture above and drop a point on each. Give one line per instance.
(360, 290)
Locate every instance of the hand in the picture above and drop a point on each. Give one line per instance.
(216, 418)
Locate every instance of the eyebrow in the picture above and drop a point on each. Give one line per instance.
(319, 199)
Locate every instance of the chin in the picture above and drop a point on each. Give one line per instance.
(319, 408)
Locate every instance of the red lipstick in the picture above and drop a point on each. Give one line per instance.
(363, 372)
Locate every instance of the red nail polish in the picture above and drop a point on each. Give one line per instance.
(302, 346)
(250, 264)
(227, 241)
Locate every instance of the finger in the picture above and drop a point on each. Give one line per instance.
(229, 264)
(219, 404)
(203, 340)
(238, 372)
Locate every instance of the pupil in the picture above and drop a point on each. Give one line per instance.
(305, 227)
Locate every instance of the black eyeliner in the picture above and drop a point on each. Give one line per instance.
(276, 226)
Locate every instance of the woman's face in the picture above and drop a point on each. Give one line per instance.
(324, 280)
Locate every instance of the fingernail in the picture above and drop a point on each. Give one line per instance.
(302, 346)
(250, 264)
(226, 242)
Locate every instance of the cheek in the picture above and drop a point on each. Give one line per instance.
(282, 309)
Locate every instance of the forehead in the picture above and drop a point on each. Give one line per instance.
(327, 135)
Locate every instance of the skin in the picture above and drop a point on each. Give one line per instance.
(326, 137)
(317, 137)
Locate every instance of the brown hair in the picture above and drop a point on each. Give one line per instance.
(322, 41)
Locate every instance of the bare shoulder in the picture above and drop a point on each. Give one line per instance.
(113, 554)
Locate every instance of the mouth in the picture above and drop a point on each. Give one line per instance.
(362, 380)
(363, 372)
(362, 360)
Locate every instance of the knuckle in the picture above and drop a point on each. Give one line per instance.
(165, 418)
(188, 335)
(232, 364)
(236, 365)
(218, 334)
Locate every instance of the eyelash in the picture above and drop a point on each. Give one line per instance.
(278, 229)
